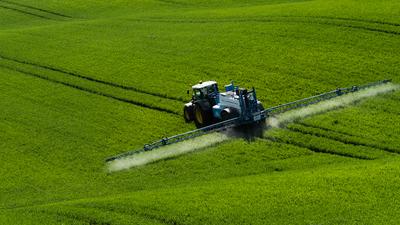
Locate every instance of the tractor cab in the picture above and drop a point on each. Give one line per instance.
(205, 90)
(199, 109)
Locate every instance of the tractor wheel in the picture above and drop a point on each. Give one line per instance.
(188, 113)
(202, 117)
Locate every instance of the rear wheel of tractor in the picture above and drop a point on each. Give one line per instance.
(202, 117)
(188, 113)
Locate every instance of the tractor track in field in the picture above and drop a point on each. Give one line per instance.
(26, 12)
(73, 216)
(171, 2)
(270, 19)
(354, 20)
(42, 207)
(260, 4)
(331, 21)
(367, 29)
(68, 212)
(36, 9)
(112, 84)
(348, 142)
(91, 91)
(135, 212)
(317, 150)
(327, 129)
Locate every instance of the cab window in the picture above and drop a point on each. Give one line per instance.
(197, 93)
(251, 96)
(211, 89)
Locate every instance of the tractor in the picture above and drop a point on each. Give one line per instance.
(209, 106)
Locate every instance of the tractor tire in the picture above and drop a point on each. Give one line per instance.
(188, 113)
(202, 116)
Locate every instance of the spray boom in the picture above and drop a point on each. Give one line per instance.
(234, 122)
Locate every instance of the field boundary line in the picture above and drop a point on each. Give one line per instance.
(112, 84)
(88, 90)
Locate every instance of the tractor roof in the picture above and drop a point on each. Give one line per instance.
(203, 84)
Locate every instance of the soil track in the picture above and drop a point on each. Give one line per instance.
(25, 12)
(35, 8)
(329, 21)
(315, 149)
(112, 84)
(173, 2)
(326, 129)
(355, 143)
(91, 91)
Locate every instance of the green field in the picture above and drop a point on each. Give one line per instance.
(84, 80)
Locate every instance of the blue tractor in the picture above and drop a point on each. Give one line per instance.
(209, 106)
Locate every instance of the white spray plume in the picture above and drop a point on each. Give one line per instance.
(166, 152)
(331, 104)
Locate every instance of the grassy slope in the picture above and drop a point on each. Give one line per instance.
(63, 158)
(254, 45)
(55, 136)
(348, 194)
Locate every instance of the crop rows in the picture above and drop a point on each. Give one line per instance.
(115, 91)
(336, 132)
(367, 25)
(244, 194)
(227, 161)
(337, 136)
(373, 123)
(89, 131)
(95, 214)
(179, 60)
(323, 145)
(84, 80)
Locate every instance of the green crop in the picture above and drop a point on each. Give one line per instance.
(84, 80)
